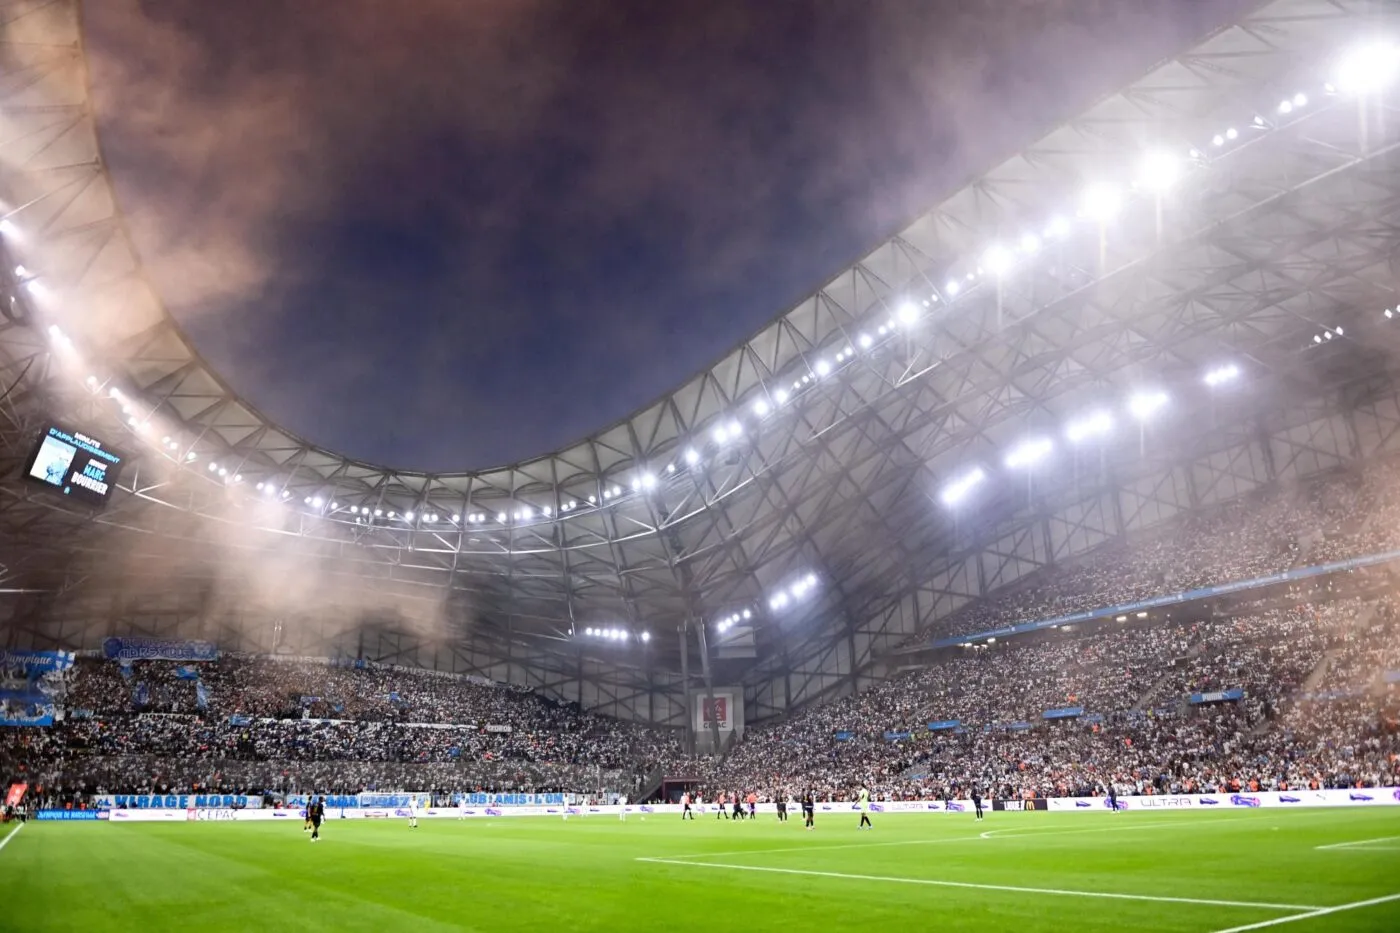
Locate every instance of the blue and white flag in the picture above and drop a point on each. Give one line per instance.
(201, 695)
(186, 672)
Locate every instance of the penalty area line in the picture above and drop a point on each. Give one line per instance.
(1319, 912)
(1356, 843)
(12, 834)
(1013, 889)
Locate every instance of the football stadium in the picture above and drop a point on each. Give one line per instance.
(1040, 570)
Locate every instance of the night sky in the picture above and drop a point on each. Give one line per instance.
(450, 234)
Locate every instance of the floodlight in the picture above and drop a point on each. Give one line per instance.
(456, 518)
(1367, 68)
(237, 477)
(317, 502)
(7, 227)
(588, 631)
(1285, 107)
(720, 434)
(822, 368)
(617, 490)
(781, 396)
(957, 490)
(1142, 615)
(378, 513)
(736, 430)
(648, 481)
(997, 259)
(501, 517)
(952, 288)
(1057, 227)
(259, 487)
(213, 467)
(1029, 453)
(692, 457)
(1222, 374)
(760, 407)
(408, 516)
(1158, 172)
(883, 330)
(748, 614)
(1389, 313)
(779, 601)
(1232, 133)
(646, 636)
(1099, 423)
(908, 313)
(1217, 140)
(1100, 203)
(865, 340)
(1340, 332)
(1300, 99)
(1145, 404)
(1030, 243)
(670, 468)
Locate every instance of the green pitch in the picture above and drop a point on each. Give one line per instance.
(1192, 872)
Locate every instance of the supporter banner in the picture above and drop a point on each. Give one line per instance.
(898, 736)
(844, 736)
(238, 719)
(83, 815)
(1091, 717)
(1068, 712)
(1217, 696)
(716, 711)
(15, 794)
(22, 713)
(186, 672)
(944, 724)
(1224, 589)
(498, 729)
(155, 649)
(177, 801)
(33, 663)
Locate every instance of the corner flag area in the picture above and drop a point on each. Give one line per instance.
(1190, 872)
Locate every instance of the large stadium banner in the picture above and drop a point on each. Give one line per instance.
(156, 649)
(31, 664)
(24, 712)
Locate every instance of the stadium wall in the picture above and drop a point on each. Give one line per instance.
(1368, 797)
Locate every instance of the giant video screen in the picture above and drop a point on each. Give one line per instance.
(76, 465)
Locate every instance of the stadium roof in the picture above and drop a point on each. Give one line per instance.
(1236, 207)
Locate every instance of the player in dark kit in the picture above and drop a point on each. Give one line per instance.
(1112, 799)
(317, 812)
(809, 808)
(781, 800)
(306, 825)
(977, 803)
(738, 806)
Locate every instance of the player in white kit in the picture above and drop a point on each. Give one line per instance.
(413, 812)
(462, 807)
(622, 807)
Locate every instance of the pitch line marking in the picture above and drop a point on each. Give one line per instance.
(1357, 843)
(1318, 912)
(12, 834)
(1061, 892)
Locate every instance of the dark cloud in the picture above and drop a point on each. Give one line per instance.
(451, 234)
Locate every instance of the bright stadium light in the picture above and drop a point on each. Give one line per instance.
(720, 433)
(957, 490)
(908, 313)
(1100, 203)
(648, 481)
(408, 516)
(1367, 69)
(646, 636)
(781, 396)
(823, 368)
(1144, 405)
(865, 340)
(748, 614)
(779, 601)
(692, 456)
(953, 287)
(1095, 425)
(1029, 453)
(997, 260)
(1158, 172)
(760, 407)
(1030, 243)
(1222, 374)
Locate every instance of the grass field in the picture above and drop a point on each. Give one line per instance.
(1238, 870)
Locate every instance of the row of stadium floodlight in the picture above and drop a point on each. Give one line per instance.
(1363, 71)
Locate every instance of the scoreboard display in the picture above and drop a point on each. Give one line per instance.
(76, 465)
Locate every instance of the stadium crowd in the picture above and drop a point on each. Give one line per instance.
(1309, 661)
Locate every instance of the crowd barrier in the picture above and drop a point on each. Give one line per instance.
(1368, 797)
